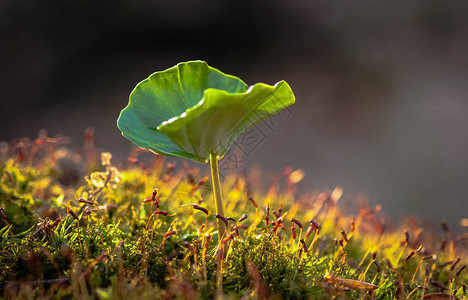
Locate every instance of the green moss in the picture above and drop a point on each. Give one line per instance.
(119, 250)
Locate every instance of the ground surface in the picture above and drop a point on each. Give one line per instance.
(75, 226)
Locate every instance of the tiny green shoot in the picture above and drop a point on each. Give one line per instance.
(195, 111)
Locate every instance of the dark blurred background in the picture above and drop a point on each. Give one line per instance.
(381, 87)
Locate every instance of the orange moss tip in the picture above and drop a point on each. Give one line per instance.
(198, 207)
(242, 218)
(168, 234)
(304, 246)
(296, 222)
(411, 254)
(455, 263)
(162, 212)
(72, 214)
(430, 257)
(314, 226)
(461, 270)
(2, 213)
(439, 285)
(223, 218)
(82, 200)
(341, 243)
(229, 237)
(407, 237)
(251, 199)
(377, 265)
(150, 200)
(345, 237)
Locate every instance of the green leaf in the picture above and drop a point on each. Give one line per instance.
(192, 110)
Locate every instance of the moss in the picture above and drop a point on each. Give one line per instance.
(113, 246)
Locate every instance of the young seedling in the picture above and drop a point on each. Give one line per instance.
(195, 111)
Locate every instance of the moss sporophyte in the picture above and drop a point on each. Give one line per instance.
(195, 111)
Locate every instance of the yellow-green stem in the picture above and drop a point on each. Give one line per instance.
(217, 193)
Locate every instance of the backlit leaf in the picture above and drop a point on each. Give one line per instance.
(192, 110)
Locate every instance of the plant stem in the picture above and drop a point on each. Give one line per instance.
(217, 194)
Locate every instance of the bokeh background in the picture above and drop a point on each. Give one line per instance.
(381, 87)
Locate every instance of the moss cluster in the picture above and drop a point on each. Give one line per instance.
(149, 232)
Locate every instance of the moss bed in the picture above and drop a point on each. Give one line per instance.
(74, 225)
